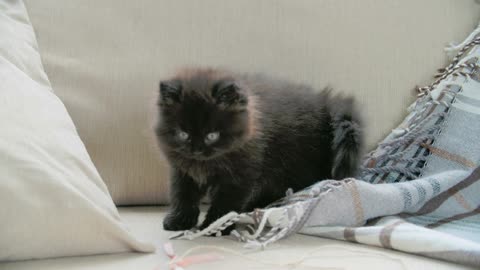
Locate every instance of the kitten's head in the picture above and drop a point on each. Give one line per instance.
(203, 114)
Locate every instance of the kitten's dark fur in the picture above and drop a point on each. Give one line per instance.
(273, 135)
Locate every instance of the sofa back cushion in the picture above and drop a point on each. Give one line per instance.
(105, 59)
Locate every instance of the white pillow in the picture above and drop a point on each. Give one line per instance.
(53, 201)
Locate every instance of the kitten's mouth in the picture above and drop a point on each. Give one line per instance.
(200, 157)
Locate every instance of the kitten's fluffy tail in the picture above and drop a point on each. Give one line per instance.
(347, 142)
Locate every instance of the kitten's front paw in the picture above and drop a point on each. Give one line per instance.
(181, 220)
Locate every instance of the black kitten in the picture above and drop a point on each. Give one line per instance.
(246, 139)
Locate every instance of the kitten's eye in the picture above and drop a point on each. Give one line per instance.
(212, 137)
(182, 135)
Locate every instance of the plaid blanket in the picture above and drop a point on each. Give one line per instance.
(418, 192)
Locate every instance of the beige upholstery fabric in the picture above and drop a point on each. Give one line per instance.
(323, 253)
(105, 58)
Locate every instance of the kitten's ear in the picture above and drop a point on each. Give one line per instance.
(170, 92)
(229, 94)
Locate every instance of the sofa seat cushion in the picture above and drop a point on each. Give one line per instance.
(145, 222)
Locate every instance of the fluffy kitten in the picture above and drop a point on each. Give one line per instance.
(247, 138)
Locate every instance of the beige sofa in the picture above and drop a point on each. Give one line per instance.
(104, 60)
